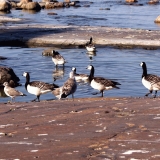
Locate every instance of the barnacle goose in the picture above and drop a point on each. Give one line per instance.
(90, 46)
(150, 81)
(101, 83)
(57, 58)
(11, 92)
(69, 87)
(37, 87)
(79, 77)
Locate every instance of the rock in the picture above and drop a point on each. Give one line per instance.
(33, 6)
(42, 4)
(5, 5)
(7, 75)
(130, 1)
(72, 3)
(157, 20)
(13, 4)
(23, 3)
(49, 1)
(59, 4)
(49, 5)
(67, 1)
(153, 2)
(52, 13)
(2, 58)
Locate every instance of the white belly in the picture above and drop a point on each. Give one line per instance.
(147, 84)
(90, 49)
(56, 62)
(36, 91)
(96, 85)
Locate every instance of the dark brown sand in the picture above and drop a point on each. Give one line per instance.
(90, 128)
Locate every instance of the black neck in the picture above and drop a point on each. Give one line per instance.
(90, 41)
(91, 76)
(144, 70)
(27, 80)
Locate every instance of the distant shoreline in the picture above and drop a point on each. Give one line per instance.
(75, 36)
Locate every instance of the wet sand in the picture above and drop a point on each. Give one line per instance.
(88, 128)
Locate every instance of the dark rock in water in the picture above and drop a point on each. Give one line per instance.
(153, 2)
(7, 75)
(52, 13)
(18, 8)
(76, 6)
(86, 5)
(2, 58)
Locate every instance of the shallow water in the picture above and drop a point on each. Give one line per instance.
(121, 65)
(113, 13)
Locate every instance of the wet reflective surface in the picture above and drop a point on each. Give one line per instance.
(113, 13)
(121, 65)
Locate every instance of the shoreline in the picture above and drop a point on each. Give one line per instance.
(93, 128)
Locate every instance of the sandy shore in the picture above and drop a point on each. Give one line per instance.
(91, 128)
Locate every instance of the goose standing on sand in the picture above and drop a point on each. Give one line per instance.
(101, 83)
(150, 81)
(58, 59)
(37, 87)
(90, 46)
(11, 92)
(69, 87)
(79, 77)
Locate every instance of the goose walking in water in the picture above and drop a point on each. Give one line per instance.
(68, 88)
(101, 83)
(58, 59)
(150, 81)
(11, 92)
(38, 87)
(90, 46)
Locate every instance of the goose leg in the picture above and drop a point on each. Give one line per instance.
(155, 94)
(38, 98)
(73, 99)
(34, 100)
(148, 93)
(102, 93)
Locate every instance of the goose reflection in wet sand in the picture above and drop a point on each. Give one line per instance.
(58, 73)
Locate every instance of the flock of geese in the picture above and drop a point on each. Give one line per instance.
(37, 88)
